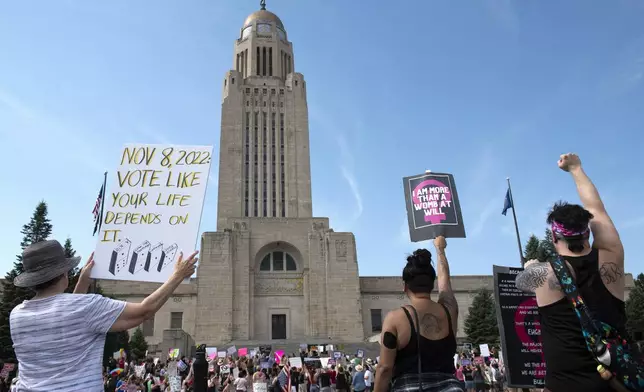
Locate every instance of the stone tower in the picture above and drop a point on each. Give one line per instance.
(271, 271)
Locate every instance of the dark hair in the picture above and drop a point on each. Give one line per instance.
(419, 274)
(573, 217)
(48, 284)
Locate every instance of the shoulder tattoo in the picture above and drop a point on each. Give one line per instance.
(533, 277)
(610, 273)
(429, 324)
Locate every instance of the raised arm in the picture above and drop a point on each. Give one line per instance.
(82, 285)
(605, 234)
(135, 314)
(445, 294)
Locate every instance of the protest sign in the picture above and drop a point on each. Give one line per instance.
(152, 211)
(433, 208)
(173, 353)
(295, 362)
(520, 331)
(211, 353)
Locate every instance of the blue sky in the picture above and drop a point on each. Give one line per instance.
(483, 90)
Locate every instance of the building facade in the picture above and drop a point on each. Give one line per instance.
(272, 271)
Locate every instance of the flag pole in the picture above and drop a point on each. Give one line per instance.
(516, 225)
(100, 223)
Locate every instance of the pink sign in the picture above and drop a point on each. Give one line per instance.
(242, 352)
(278, 355)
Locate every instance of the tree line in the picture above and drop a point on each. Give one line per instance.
(39, 228)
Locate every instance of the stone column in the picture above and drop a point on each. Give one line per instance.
(307, 301)
(251, 305)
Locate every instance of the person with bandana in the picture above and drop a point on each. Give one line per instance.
(598, 269)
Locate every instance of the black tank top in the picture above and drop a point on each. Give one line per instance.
(569, 364)
(437, 356)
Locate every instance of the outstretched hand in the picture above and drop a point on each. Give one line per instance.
(185, 268)
(86, 271)
(569, 162)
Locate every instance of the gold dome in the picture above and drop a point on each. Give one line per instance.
(263, 15)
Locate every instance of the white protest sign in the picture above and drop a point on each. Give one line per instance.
(151, 212)
(260, 387)
(485, 350)
(295, 362)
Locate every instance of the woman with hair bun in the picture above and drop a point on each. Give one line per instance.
(418, 341)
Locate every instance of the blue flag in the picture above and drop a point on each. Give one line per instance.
(507, 204)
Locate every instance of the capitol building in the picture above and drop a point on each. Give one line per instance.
(273, 273)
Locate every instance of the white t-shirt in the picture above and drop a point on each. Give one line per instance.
(368, 378)
(59, 341)
(241, 384)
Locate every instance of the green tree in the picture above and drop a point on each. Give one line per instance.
(75, 273)
(138, 345)
(547, 251)
(532, 248)
(635, 309)
(38, 229)
(481, 324)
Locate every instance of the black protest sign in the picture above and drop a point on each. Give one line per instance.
(265, 349)
(433, 208)
(520, 329)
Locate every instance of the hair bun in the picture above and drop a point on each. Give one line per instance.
(421, 259)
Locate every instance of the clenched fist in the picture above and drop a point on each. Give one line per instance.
(569, 162)
(440, 243)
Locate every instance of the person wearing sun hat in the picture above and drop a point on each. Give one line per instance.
(58, 338)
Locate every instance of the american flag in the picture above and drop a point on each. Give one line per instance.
(97, 209)
(284, 378)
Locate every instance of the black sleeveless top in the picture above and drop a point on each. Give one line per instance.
(569, 364)
(437, 356)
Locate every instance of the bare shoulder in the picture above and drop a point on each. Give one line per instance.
(534, 276)
(539, 278)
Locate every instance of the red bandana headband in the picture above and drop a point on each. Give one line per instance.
(560, 229)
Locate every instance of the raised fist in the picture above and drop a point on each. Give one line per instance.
(569, 162)
(440, 243)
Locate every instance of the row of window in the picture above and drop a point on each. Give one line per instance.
(176, 322)
(278, 261)
(251, 150)
(264, 91)
(264, 104)
(264, 62)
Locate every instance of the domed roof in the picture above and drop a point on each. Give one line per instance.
(263, 15)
